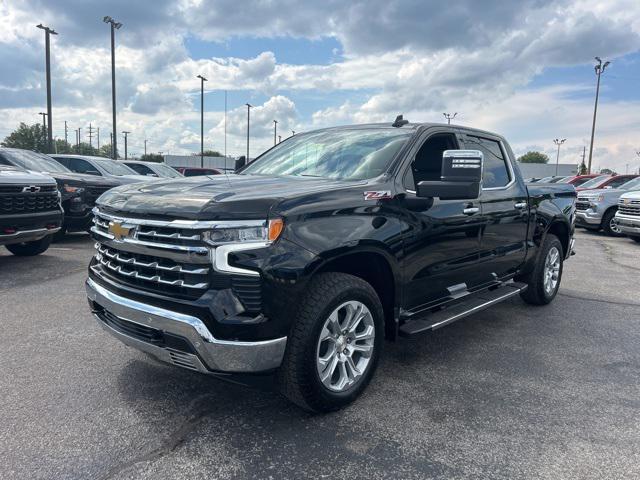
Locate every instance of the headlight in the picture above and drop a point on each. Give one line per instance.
(246, 234)
(72, 188)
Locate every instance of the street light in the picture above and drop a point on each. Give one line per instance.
(249, 107)
(125, 143)
(558, 142)
(114, 26)
(44, 126)
(599, 68)
(202, 80)
(275, 131)
(47, 32)
(450, 117)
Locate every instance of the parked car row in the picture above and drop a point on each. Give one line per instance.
(42, 195)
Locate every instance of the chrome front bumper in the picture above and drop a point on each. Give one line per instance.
(26, 235)
(628, 224)
(589, 217)
(212, 355)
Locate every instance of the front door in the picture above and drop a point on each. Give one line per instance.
(442, 243)
(503, 201)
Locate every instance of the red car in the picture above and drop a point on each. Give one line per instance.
(606, 181)
(197, 171)
(578, 180)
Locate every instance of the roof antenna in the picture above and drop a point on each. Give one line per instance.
(399, 122)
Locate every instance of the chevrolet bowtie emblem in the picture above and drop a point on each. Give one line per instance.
(118, 231)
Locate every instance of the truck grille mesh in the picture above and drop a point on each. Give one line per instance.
(29, 202)
(631, 207)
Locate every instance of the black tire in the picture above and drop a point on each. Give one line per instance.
(298, 376)
(536, 294)
(29, 249)
(606, 223)
(635, 239)
(59, 235)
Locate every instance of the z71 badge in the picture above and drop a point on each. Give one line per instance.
(377, 195)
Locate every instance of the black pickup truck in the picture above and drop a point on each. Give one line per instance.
(303, 262)
(30, 211)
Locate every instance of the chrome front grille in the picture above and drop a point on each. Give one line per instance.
(629, 207)
(169, 258)
(581, 206)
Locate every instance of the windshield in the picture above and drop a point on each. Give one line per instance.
(35, 161)
(594, 182)
(165, 171)
(115, 168)
(349, 154)
(631, 184)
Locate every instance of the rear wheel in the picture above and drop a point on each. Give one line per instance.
(544, 281)
(636, 239)
(28, 249)
(609, 224)
(335, 343)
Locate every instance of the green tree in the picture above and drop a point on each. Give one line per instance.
(60, 146)
(105, 150)
(29, 137)
(152, 157)
(209, 153)
(534, 157)
(607, 171)
(582, 169)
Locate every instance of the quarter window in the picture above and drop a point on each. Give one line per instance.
(495, 172)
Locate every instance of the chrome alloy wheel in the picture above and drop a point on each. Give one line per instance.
(613, 225)
(345, 346)
(551, 270)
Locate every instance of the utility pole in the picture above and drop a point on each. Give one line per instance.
(145, 147)
(79, 139)
(44, 128)
(66, 131)
(98, 137)
(275, 130)
(111, 141)
(90, 136)
(249, 106)
(114, 26)
(225, 127)
(558, 142)
(599, 68)
(202, 80)
(125, 143)
(450, 117)
(47, 46)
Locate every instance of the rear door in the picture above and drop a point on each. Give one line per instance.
(504, 205)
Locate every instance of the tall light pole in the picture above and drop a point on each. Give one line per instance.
(47, 48)
(202, 80)
(599, 68)
(114, 26)
(44, 128)
(450, 117)
(558, 142)
(275, 131)
(125, 143)
(249, 106)
(145, 147)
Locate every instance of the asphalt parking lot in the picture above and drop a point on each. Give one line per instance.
(513, 392)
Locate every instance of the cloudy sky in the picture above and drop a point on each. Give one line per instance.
(521, 68)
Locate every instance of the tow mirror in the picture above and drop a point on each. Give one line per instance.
(240, 162)
(460, 177)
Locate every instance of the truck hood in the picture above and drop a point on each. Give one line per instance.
(605, 192)
(217, 197)
(11, 176)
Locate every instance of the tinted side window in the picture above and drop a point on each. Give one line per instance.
(141, 169)
(616, 182)
(495, 171)
(82, 166)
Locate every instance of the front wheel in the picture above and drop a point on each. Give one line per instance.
(544, 281)
(334, 345)
(636, 239)
(28, 249)
(609, 224)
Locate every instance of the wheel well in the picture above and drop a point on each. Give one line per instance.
(374, 269)
(560, 230)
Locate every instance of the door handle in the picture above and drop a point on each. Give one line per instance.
(520, 205)
(470, 210)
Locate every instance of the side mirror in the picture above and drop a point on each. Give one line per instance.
(240, 162)
(460, 178)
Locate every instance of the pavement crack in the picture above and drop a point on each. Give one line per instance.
(608, 252)
(170, 444)
(609, 302)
